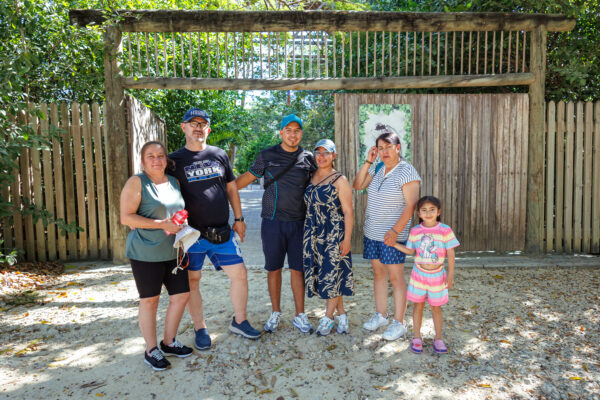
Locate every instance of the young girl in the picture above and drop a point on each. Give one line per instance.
(433, 242)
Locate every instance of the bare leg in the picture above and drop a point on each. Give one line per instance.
(417, 318)
(436, 313)
(297, 280)
(396, 272)
(330, 306)
(147, 320)
(380, 286)
(195, 303)
(274, 283)
(238, 291)
(340, 306)
(175, 310)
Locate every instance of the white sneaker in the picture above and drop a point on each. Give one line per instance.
(376, 321)
(303, 324)
(273, 322)
(325, 326)
(342, 323)
(394, 331)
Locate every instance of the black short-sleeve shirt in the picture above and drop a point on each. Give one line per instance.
(284, 199)
(203, 177)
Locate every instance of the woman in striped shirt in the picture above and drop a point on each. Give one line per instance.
(393, 189)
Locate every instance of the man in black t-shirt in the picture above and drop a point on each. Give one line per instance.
(286, 169)
(208, 186)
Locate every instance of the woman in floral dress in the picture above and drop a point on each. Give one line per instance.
(327, 233)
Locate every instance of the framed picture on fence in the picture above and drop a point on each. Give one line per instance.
(375, 119)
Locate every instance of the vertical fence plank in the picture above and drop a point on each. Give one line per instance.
(595, 248)
(26, 195)
(100, 182)
(559, 192)
(79, 180)
(578, 170)
(587, 177)
(57, 163)
(38, 197)
(524, 163)
(513, 191)
(550, 169)
(457, 122)
(7, 233)
(568, 188)
(48, 183)
(88, 146)
(68, 180)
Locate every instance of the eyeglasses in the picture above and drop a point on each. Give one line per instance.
(200, 125)
(323, 153)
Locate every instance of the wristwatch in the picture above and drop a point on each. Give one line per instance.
(240, 219)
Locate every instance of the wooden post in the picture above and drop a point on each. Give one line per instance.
(535, 171)
(117, 150)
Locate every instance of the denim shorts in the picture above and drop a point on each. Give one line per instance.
(228, 253)
(376, 250)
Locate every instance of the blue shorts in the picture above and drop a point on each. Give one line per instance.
(376, 250)
(280, 238)
(228, 253)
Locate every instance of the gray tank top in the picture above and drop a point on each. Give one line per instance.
(158, 202)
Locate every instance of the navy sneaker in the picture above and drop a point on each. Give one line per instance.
(202, 339)
(244, 329)
(156, 360)
(175, 349)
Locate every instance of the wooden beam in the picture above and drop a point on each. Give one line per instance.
(329, 21)
(117, 162)
(330, 83)
(535, 159)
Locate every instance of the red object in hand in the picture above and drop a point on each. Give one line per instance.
(180, 217)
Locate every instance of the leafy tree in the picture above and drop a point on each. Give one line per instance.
(573, 59)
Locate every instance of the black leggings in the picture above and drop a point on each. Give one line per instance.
(150, 276)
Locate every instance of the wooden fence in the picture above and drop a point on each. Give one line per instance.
(68, 180)
(471, 152)
(572, 177)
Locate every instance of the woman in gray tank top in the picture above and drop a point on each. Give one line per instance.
(148, 202)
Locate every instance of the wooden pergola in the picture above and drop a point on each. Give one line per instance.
(323, 50)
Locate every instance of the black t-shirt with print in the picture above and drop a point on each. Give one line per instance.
(284, 199)
(203, 177)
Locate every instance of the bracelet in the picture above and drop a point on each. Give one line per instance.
(369, 162)
(393, 230)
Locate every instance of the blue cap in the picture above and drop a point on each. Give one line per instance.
(195, 112)
(288, 119)
(327, 145)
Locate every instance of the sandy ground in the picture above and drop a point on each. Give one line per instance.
(512, 333)
(517, 328)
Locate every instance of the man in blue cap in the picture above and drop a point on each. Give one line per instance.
(286, 169)
(208, 187)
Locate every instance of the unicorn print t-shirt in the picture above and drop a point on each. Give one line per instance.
(431, 243)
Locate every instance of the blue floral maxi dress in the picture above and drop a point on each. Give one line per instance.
(326, 274)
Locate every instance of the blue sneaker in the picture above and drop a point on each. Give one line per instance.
(202, 339)
(244, 329)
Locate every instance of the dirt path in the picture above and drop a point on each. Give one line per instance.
(512, 333)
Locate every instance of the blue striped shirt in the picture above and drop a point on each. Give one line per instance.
(385, 200)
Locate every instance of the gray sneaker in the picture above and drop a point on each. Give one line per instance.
(303, 324)
(273, 322)
(376, 321)
(342, 323)
(394, 331)
(325, 326)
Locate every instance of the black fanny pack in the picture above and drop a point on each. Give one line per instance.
(216, 235)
